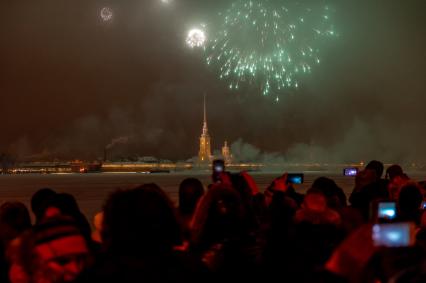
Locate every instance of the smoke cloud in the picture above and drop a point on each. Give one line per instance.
(119, 140)
(68, 98)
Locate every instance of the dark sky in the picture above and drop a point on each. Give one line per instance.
(69, 84)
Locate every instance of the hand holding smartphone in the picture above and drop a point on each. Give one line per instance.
(350, 172)
(386, 211)
(280, 183)
(218, 168)
(284, 182)
(295, 178)
(393, 235)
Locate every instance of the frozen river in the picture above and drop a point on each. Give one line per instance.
(91, 190)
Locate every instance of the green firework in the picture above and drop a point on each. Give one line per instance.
(269, 43)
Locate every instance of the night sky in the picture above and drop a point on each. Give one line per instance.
(70, 84)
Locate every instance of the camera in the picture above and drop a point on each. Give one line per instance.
(393, 235)
(295, 178)
(218, 167)
(350, 172)
(386, 211)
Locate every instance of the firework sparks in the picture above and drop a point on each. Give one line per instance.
(196, 38)
(107, 14)
(268, 43)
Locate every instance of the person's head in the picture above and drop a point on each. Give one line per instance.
(336, 198)
(393, 171)
(395, 186)
(220, 215)
(139, 222)
(377, 166)
(315, 210)
(315, 201)
(57, 204)
(364, 178)
(14, 219)
(64, 203)
(240, 184)
(410, 199)
(39, 200)
(54, 251)
(190, 191)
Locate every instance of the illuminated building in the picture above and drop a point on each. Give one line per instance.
(226, 153)
(204, 155)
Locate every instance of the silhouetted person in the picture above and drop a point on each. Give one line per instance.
(387, 264)
(413, 274)
(336, 198)
(369, 189)
(221, 235)
(139, 233)
(395, 185)
(393, 171)
(410, 199)
(297, 248)
(63, 204)
(38, 201)
(284, 188)
(315, 210)
(14, 220)
(190, 192)
(377, 167)
(245, 186)
(279, 227)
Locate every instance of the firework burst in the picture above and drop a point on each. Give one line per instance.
(268, 43)
(106, 14)
(196, 38)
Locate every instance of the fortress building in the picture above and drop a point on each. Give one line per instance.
(204, 154)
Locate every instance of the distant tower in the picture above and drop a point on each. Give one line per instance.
(204, 155)
(226, 153)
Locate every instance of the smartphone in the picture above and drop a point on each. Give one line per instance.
(350, 172)
(295, 178)
(218, 167)
(386, 211)
(423, 205)
(393, 235)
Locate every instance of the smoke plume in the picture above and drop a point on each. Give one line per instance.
(119, 140)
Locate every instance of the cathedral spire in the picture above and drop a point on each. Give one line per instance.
(205, 152)
(205, 114)
(205, 129)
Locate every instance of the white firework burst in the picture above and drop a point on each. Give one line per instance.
(196, 38)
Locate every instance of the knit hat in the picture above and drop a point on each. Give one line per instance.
(55, 228)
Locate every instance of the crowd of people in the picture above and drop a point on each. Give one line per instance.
(231, 230)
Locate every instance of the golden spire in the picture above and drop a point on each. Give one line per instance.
(205, 150)
(205, 129)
